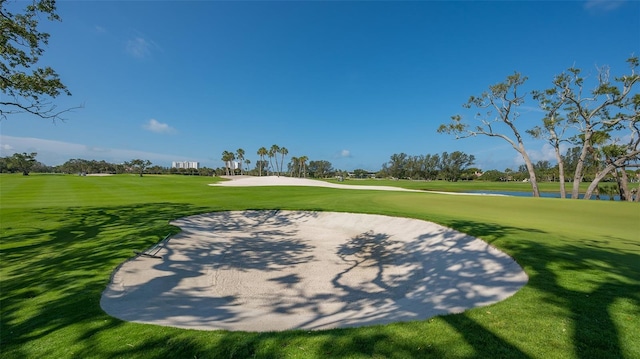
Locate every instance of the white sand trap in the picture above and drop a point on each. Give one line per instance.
(278, 270)
(252, 181)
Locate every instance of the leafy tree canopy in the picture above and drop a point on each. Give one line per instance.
(25, 87)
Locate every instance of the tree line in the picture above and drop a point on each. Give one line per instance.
(26, 163)
(447, 166)
(272, 162)
(455, 166)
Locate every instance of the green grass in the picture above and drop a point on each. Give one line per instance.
(463, 186)
(62, 237)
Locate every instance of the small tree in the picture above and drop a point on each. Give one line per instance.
(320, 169)
(23, 162)
(360, 173)
(138, 166)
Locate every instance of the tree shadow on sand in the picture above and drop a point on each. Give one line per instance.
(387, 280)
(183, 288)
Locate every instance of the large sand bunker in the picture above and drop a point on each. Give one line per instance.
(278, 270)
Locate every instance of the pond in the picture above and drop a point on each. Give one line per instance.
(542, 194)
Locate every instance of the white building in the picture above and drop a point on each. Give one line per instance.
(185, 164)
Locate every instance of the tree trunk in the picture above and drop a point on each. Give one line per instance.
(563, 191)
(623, 185)
(619, 183)
(282, 163)
(610, 167)
(532, 174)
(596, 181)
(577, 177)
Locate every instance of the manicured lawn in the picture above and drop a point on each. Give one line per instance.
(62, 237)
(463, 186)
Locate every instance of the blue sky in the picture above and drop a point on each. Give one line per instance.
(348, 82)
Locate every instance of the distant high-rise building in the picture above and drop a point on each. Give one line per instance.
(185, 164)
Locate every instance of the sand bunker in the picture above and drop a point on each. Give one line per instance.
(278, 270)
(252, 181)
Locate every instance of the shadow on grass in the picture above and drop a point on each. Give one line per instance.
(55, 270)
(56, 275)
(583, 279)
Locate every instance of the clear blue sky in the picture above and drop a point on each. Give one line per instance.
(349, 82)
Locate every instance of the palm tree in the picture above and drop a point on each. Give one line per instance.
(272, 153)
(303, 169)
(293, 166)
(261, 152)
(227, 157)
(283, 151)
(240, 157)
(247, 162)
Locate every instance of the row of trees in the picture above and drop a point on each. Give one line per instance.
(603, 122)
(26, 163)
(447, 166)
(275, 154)
(451, 167)
(272, 161)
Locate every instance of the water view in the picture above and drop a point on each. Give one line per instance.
(544, 194)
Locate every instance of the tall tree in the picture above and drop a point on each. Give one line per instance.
(261, 166)
(294, 166)
(553, 128)
(501, 103)
(283, 152)
(227, 158)
(397, 164)
(610, 106)
(303, 166)
(27, 88)
(262, 151)
(452, 165)
(431, 164)
(273, 151)
(240, 157)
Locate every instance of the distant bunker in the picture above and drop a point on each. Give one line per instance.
(278, 270)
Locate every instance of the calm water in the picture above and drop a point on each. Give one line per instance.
(542, 194)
